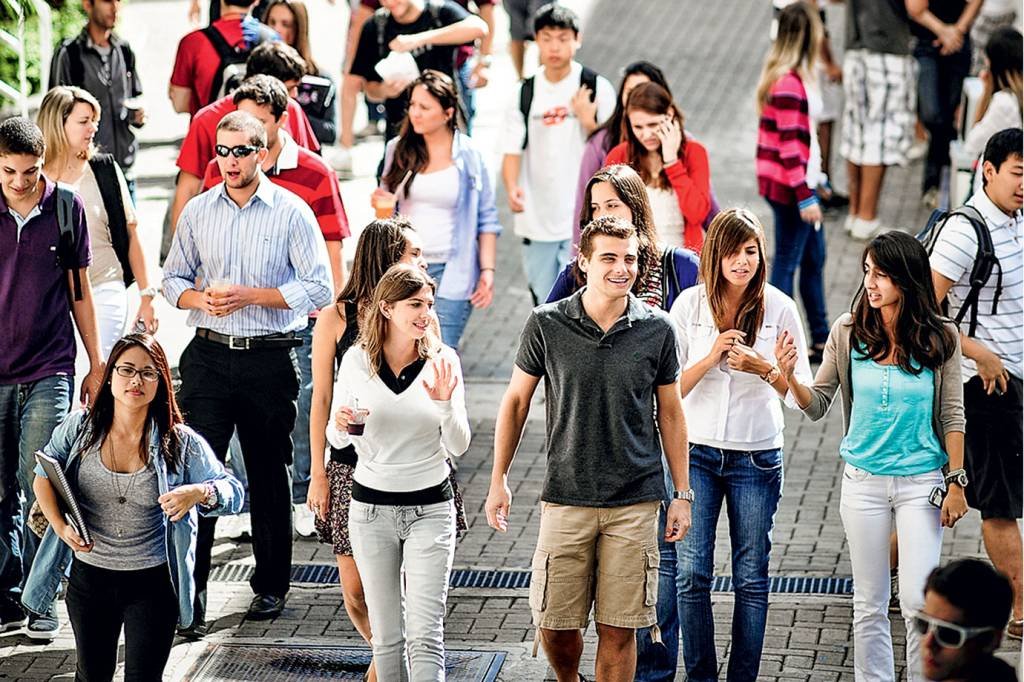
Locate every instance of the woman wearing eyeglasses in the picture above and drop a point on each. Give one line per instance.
(895, 363)
(140, 477)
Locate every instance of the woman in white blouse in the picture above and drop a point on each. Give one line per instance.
(728, 327)
(402, 516)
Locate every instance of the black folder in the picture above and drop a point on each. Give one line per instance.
(65, 498)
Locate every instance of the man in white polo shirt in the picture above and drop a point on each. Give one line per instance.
(993, 353)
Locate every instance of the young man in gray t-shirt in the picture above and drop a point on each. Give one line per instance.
(611, 375)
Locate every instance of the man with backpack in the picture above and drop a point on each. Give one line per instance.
(430, 30)
(545, 131)
(210, 61)
(98, 61)
(44, 253)
(989, 302)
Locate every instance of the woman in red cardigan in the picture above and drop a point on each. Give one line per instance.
(673, 167)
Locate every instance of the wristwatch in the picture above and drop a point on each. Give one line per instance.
(687, 495)
(149, 291)
(772, 375)
(958, 476)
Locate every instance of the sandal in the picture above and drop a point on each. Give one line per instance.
(1014, 629)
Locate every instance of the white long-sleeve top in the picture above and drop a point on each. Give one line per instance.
(408, 436)
(730, 409)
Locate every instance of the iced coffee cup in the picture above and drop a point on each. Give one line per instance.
(357, 422)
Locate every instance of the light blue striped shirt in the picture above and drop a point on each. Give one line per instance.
(272, 242)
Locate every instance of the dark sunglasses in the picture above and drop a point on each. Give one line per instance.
(239, 152)
(949, 635)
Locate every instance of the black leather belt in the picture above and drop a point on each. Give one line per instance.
(284, 340)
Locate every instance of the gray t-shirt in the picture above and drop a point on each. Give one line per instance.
(878, 26)
(603, 447)
(129, 536)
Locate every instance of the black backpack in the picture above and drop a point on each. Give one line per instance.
(588, 77)
(984, 260)
(67, 251)
(77, 66)
(104, 168)
(231, 68)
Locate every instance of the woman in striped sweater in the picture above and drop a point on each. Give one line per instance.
(789, 163)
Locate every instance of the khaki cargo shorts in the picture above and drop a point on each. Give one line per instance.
(605, 557)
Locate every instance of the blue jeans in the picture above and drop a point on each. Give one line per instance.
(940, 80)
(300, 434)
(799, 245)
(452, 313)
(467, 94)
(751, 485)
(542, 262)
(657, 662)
(28, 414)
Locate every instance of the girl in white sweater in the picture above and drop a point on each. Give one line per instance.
(409, 386)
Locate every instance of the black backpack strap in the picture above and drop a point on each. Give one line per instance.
(981, 271)
(588, 77)
(224, 52)
(67, 253)
(104, 169)
(525, 102)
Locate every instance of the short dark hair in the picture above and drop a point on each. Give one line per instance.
(239, 3)
(19, 135)
(263, 89)
(1003, 145)
(277, 59)
(973, 586)
(553, 15)
(608, 226)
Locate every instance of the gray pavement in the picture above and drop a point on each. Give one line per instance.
(711, 52)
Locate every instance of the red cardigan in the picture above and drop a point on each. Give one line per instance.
(691, 180)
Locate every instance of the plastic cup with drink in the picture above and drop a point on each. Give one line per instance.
(357, 420)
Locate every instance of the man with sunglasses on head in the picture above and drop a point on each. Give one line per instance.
(966, 606)
(262, 268)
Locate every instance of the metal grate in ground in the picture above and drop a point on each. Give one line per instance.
(297, 662)
(322, 574)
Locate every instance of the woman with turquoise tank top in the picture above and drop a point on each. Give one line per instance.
(895, 361)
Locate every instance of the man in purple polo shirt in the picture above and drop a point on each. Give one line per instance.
(37, 348)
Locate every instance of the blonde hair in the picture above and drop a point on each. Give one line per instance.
(795, 48)
(54, 112)
(399, 283)
(727, 233)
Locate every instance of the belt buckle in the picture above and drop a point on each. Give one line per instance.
(244, 342)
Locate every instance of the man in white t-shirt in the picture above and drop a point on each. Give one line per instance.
(544, 150)
(993, 353)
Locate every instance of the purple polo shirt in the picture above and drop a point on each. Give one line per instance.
(37, 339)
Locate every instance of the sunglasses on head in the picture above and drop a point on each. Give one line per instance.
(239, 152)
(949, 635)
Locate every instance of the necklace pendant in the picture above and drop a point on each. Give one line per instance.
(122, 499)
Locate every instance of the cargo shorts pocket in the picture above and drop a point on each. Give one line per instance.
(652, 562)
(539, 580)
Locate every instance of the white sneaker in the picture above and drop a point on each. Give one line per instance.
(864, 229)
(234, 527)
(850, 224)
(918, 150)
(339, 158)
(304, 520)
(930, 199)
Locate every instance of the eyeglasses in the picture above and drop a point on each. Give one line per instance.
(128, 372)
(949, 635)
(239, 152)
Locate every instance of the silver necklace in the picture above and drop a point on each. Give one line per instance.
(122, 496)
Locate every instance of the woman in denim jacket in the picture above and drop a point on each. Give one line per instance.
(441, 184)
(138, 474)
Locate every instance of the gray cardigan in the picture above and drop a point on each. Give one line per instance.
(834, 374)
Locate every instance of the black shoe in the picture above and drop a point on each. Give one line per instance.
(12, 616)
(194, 632)
(265, 607)
(836, 200)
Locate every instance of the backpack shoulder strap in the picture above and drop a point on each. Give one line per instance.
(588, 77)
(219, 42)
(104, 169)
(525, 102)
(981, 270)
(67, 251)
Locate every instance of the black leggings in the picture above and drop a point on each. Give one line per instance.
(100, 601)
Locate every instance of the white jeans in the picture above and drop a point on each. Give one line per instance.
(867, 505)
(420, 541)
(110, 300)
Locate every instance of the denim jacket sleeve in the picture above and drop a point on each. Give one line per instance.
(62, 441)
(487, 211)
(201, 466)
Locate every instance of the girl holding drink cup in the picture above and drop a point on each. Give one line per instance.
(410, 386)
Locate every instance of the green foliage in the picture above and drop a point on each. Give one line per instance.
(67, 18)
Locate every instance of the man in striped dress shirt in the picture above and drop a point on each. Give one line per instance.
(249, 263)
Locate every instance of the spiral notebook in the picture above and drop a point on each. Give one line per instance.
(65, 498)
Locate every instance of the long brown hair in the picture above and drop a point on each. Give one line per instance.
(728, 232)
(795, 48)
(381, 244)
(399, 283)
(632, 192)
(653, 99)
(411, 149)
(163, 411)
(300, 15)
(921, 338)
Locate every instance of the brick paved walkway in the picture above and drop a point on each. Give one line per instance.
(713, 69)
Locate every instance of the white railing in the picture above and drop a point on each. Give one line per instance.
(19, 92)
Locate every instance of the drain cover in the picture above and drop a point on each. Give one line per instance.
(295, 662)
